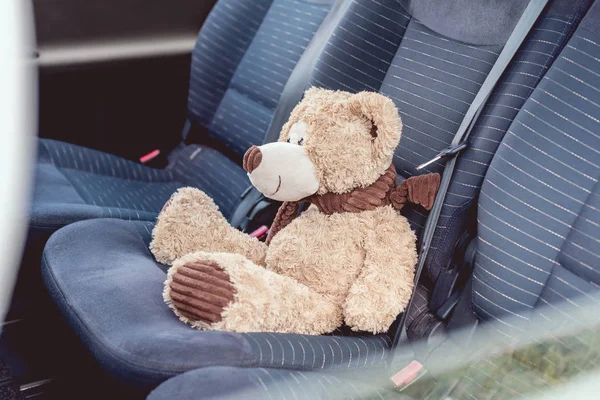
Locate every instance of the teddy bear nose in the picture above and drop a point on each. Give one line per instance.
(252, 159)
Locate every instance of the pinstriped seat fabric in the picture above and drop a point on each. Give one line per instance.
(244, 55)
(432, 70)
(385, 45)
(538, 244)
(539, 208)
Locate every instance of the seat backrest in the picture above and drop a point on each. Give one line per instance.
(431, 57)
(539, 207)
(244, 55)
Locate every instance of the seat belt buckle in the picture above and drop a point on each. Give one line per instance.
(260, 233)
(146, 158)
(447, 152)
(408, 375)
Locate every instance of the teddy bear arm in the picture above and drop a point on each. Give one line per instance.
(223, 291)
(384, 285)
(190, 221)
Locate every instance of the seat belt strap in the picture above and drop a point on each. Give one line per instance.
(300, 77)
(459, 142)
(187, 127)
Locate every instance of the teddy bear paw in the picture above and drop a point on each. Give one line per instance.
(187, 202)
(184, 224)
(199, 291)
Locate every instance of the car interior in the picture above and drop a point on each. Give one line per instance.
(135, 101)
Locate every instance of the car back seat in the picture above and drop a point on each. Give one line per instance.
(538, 247)
(105, 281)
(243, 57)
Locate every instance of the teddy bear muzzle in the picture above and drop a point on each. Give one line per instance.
(281, 171)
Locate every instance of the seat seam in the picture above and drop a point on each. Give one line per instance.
(114, 176)
(148, 252)
(92, 203)
(59, 224)
(73, 186)
(58, 166)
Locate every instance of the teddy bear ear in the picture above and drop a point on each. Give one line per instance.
(383, 114)
(312, 92)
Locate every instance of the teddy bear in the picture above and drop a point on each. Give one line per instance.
(349, 258)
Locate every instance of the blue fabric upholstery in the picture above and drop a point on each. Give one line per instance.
(106, 283)
(237, 78)
(433, 79)
(262, 383)
(539, 209)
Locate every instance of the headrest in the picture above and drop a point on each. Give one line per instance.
(478, 22)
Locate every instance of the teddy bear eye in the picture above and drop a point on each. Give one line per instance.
(298, 133)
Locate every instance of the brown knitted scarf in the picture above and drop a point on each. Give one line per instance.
(384, 191)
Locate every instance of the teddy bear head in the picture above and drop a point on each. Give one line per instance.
(333, 142)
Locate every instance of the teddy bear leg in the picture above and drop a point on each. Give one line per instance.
(224, 291)
(383, 288)
(191, 221)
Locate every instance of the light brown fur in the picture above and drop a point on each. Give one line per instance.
(361, 261)
(191, 221)
(321, 270)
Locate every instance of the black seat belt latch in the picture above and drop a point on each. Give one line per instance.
(444, 311)
(447, 152)
(453, 277)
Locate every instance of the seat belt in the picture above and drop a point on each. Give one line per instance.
(460, 140)
(252, 201)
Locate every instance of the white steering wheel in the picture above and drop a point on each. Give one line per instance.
(18, 124)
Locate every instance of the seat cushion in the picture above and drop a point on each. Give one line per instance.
(107, 284)
(75, 183)
(265, 383)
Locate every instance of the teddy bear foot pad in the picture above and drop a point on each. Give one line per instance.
(200, 290)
